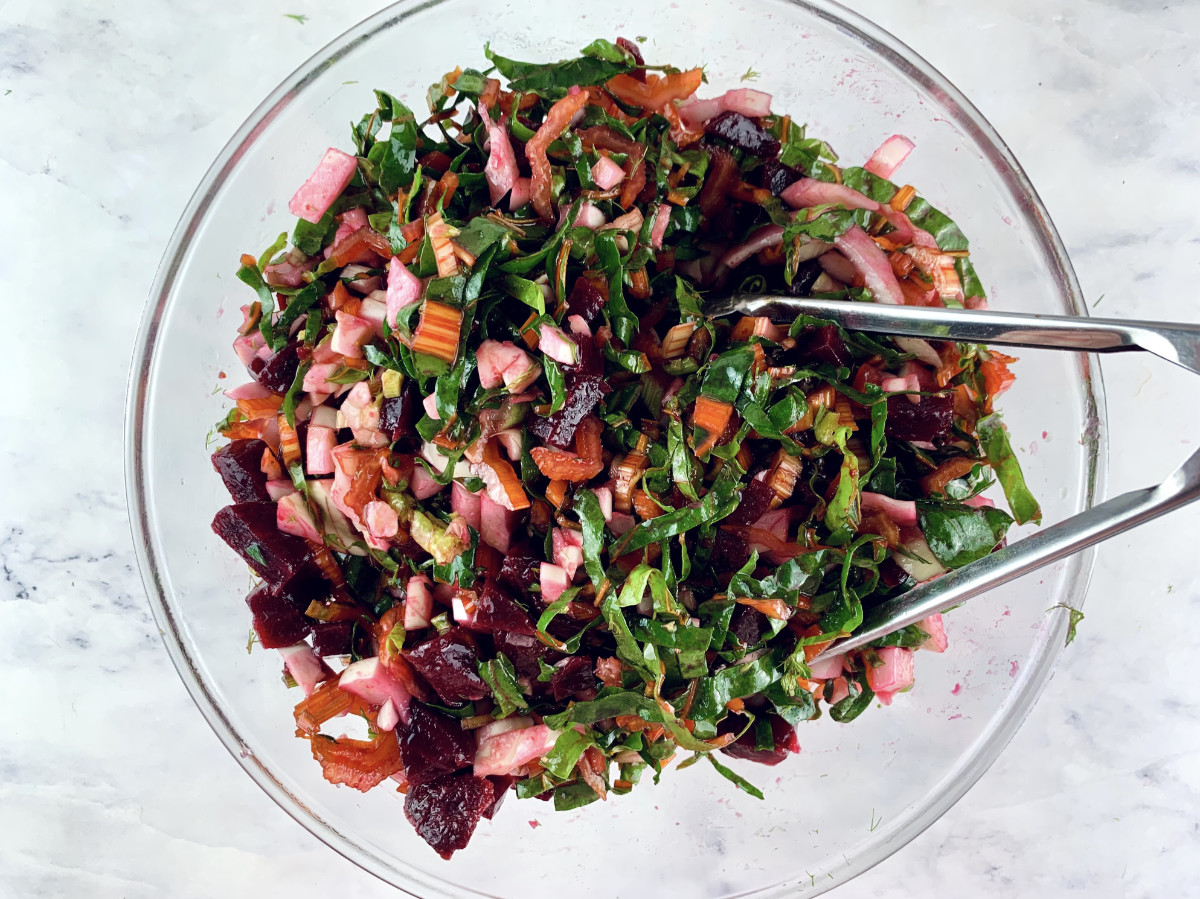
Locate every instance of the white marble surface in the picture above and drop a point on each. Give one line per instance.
(109, 115)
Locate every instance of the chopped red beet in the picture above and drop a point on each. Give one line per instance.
(433, 744)
(446, 811)
(782, 733)
(576, 675)
(744, 133)
(497, 611)
(250, 530)
(930, 420)
(279, 618)
(450, 662)
(239, 464)
(280, 370)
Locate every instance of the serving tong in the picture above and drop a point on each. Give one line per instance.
(1175, 342)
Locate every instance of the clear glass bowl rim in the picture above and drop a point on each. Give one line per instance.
(876, 41)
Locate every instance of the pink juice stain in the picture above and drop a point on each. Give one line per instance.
(957, 689)
(535, 823)
(1012, 672)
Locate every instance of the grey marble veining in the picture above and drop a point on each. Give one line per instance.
(109, 115)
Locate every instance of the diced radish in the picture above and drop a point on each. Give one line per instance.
(369, 680)
(503, 753)
(462, 615)
(933, 626)
(418, 603)
(248, 345)
(359, 281)
(277, 488)
(496, 524)
(354, 219)
(827, 668)
(567, 549)
(872, 264)
(339, 529)
(841, 690)
(607, 174)
(662, 218)
(388, 717)
(422, 484)
(837, 266)
(287, 273)
(251, 390)
(557, 345)
(503, 726)
(304, 665)
(522, 190)
(323, 186)
(885, 160)
(381, 519)
(921, 564)
(503, 362)
(605, 496)
(808, 192)
(621, 523)
(374, 309)
(589, 216)
(292, 516)
(501, 172)
(893, 675)
(465, 503)
(316, 379)
(579, 325)
(764, 237)
(351, 333)
(320, 443)
(748, 102)
(554, 581)
(429, 404)
(359, 408)
(903, 512)
(403, 289)
(695, 113)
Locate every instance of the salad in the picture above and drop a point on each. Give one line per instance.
(517, 502)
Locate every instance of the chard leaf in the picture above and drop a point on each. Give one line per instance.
(736, 779)
(553, 80)
(501, 676)
(570, 745)
(855, 704)
(734, 682)
(958, 535)
(310, 239)
(994, 438)
(252, 277)
(591, 518)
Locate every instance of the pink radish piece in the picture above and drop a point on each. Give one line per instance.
(496, 524)
(292, 516)
(522, 190)
(418, 603)
(885, 160)
(812, 192)
(933, 626)
(304, 665)
(557, 345)
(382, 520)
(553, 581)
(369, 680)
(279, 488)
(422, 484)
(505, 752)
(748, 102)
(501, 172)
(351, 333)
(827, 668)
(388, 717)
(323, 186)
(893, 675)
(403, 289)
(503, 726)
(320, 444)
(465, 503)
(429, 404)
(607, 174)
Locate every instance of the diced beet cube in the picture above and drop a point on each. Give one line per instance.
(583, 393)
(333, 638)
(276, 557)
(500, 784)
(930, 420)
(730, 551)
(591, 357)
(755, 502)
(825, 345)
(521, 569)
(744, 133)
(240, 466)
(891, 574)
(783, 734)
(497, 611)
(280, 370)
(777, 177)
(748, 625)
(446, 811)
(805, 277)
(277, 620)
(524, 652)
(585, 299)
(576, 675)
(398, 414)
(433, 744)
(450, 662)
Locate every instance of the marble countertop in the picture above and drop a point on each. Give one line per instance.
(110, 114)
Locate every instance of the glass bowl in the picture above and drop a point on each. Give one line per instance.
(857, 792)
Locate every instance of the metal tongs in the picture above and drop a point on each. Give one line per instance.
(1178, 343)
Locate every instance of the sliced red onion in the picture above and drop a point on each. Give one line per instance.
(920, 563)
(605, 496)
(292, 516)
(885, 160)
(808, 192)
(503, 726)
(906, 231)
(902, 512)
(354, 273)
(872, 264)
(512, 441)
(422, 484)
(764, 237)
(465, 503)
(503, 362)
(662, 218)
(522, 190)
(501, 171)
(579, 325)
(979, 502)
(323, 186)
(695, 112)
(838, 266)
(922, 349)
(557, 345)
(251, 390)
